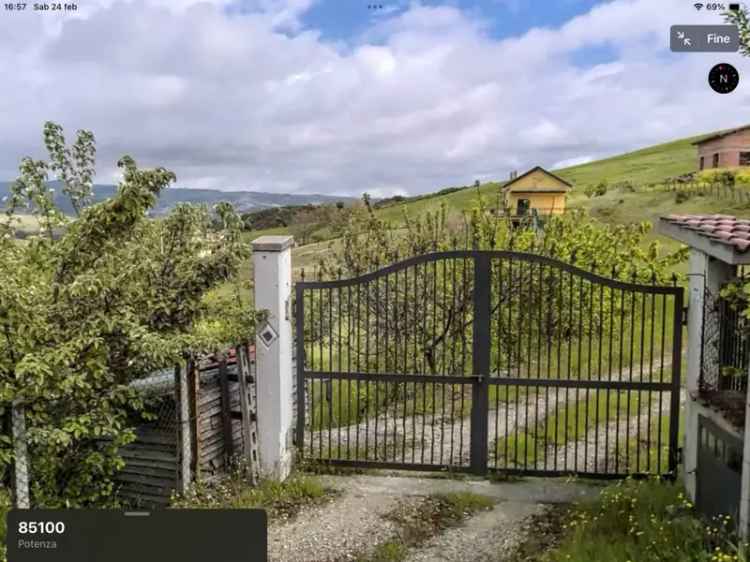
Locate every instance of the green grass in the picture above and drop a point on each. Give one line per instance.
(642, 521)
(646, 165)
(389, 551)
(458, 505)
(351, 402)
(281, 500)
(650, 453)
(457, 201)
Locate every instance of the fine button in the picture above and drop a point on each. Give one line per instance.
(704, 38)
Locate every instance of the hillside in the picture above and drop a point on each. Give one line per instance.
(647, 165)
(641, 167)
(243, 200)
(644, 166)
(645, 169)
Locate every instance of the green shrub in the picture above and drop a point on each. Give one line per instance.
(5, 505)
(627, 186)
(114, 297)
(724, 176)
(596, 190)
(742, 176)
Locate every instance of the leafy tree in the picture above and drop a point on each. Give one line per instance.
(428, 310)
(304, 224)
(740, 19)
(115, 297)
(75, 167)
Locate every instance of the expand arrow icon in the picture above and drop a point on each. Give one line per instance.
(685, 40)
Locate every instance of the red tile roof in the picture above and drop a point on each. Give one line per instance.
(721, 134)
(724, 229)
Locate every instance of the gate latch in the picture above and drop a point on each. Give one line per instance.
(480, 379)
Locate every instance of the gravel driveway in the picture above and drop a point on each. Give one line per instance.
(353, 524)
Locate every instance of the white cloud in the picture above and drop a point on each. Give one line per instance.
(575, 161)
(239, 95)
(386, 191)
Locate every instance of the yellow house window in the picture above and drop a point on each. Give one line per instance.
(523, 206)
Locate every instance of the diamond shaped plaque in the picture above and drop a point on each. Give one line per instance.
(267, 335)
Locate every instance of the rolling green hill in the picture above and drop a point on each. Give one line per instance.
(648, 165)
(645, 169)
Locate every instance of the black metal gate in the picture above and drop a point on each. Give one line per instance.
(489, 361)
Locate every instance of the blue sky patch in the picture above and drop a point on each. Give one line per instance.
(342, 20)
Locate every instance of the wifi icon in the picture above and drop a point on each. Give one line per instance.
(698, 6)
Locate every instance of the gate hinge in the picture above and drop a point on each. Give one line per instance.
(684, 315)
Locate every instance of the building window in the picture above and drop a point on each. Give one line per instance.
(744, 158)
(523, 207)
(716, 160)
(703, 161)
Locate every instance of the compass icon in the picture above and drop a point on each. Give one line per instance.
(723, 78)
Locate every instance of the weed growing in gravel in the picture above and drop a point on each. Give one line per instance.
(389, 551)
(458, 505)
(281, 500)
(644, 521)
(417, 522)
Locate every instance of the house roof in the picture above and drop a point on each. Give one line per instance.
(722, 236)
(537, 169)
(722, 134)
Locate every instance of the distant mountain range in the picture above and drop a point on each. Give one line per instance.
(243, 201)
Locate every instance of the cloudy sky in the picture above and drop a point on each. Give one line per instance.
(330, 96)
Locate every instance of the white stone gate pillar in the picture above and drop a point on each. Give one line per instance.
(706, 273)
(717, 244)
(272, 265)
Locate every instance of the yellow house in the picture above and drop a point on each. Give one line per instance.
(536, 189)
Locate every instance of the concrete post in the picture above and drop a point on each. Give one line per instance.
(705, 273)
(272, 263)
(183, 416)
(20, 457)
(698, 266)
